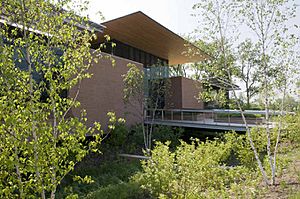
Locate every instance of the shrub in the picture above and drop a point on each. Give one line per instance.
(118, 136)
(167, 133)
(192, 171)
(241, 148)
(292, 129)
(119, 191)
(130, 140)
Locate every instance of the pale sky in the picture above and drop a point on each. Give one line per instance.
(173, 14)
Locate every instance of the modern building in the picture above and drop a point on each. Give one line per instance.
(144, 42)
(153, 48)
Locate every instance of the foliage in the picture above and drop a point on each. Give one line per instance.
(295, 196)
(110, 178)
(118, 136)
(130, 140)
(179, 70)
(292, 130)
(241, 149)
(212, 75)
(194, 170)
(224, 167)
(290, 103)
(43, 55)
(167, 133)
(134, 84)
(268, 20)
(144, 93)
(119, 191)
(124, 140)
(249, 71)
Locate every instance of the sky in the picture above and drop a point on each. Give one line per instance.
(173, 14)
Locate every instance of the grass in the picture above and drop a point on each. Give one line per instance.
(289, 181)
(110, 176)
(295, 196)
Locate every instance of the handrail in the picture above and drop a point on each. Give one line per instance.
(204, 116)
(227, 111)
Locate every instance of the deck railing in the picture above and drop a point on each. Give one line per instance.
(213, 116)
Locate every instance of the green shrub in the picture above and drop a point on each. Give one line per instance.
(291, 133)
(167, 133)
(130, 140)
(125, 140)
(193, 171)
(118, 136)
(119, 191)
(242, 150)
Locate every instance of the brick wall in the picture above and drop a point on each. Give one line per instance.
(182, 94)
(103, 92)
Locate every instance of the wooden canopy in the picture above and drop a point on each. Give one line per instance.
(142, 32)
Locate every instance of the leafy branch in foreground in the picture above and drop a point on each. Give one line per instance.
(44, 54)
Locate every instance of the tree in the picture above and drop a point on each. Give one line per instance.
(45, 51)
(179, 70)
(268, 20)
(147, 94)
(220, 25)
(210, 74)
(249, 68)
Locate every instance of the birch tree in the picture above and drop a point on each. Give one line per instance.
(45, 51)
(249, 72)
(134, 95)
(219, 26)
(267, 20)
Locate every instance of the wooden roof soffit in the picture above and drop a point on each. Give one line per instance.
(142, 32)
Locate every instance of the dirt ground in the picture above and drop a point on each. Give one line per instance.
(288, 183)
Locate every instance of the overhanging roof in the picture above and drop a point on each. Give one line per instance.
(142, 32)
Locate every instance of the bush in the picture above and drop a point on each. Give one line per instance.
(167, 133)
(119, 191)
(130, 140)
(292, 130)
(193, 171)
(118, 136)
(241, 149)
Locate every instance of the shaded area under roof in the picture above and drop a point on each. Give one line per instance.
(142, 32)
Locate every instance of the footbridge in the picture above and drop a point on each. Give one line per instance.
(214, 119)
